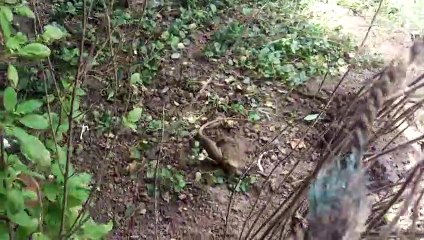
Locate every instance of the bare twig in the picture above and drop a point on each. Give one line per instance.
(78, 77)
(408, 180)
(156, 174)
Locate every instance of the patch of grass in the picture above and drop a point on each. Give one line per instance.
(218, 177)
(169, 179)
(358, 7)
(279, 45)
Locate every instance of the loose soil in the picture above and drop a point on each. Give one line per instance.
(199, 211)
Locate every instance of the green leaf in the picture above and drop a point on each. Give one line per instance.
(254, 116)
(4, 231)
(17, 132)
(10, 98)
(34, 50)
(15, 201)
(135, 78)
(12, 75)
(34, 121)
(247, 11)
(23, 219)
(129, 124)
(213, 8)
(40, 236)
(15, 42)
(28, 106)
(81, 180)
(135, 115)
(51, 190)
(93, 230)
(78, 187)
(25, 11)
(31, 147)
(311, 117)
(6, 17)
(52, 33)
(29, 195)
(10, 2)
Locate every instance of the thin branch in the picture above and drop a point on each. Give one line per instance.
(70, 119)
(156, 175)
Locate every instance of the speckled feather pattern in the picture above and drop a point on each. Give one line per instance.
(338, 206)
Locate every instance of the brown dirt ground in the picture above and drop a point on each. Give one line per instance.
(199, 211)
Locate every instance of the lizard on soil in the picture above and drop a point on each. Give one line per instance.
(225, 151)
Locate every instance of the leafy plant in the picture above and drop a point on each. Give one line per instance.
(218, 177)
(224, 39)
(244, 185)
(170, 180)
(33, 178)
(132, 118)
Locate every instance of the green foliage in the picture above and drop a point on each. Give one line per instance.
(130, 121)
(32, 125)
(52, 33)
(279, 44)
(225, 39)
(218, 177)
(169, 179)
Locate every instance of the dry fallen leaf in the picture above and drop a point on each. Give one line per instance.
(269, 104)
(297, 143)
(132, 167)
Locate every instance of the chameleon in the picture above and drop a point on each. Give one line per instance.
(225, 152)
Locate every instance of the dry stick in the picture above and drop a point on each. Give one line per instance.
(407, 93)
(372, 22)
(267, 178)
(50, 65)
(70, 119)
(262, 150)
(394, 138)
(408, 180)
(52, 73)
(294, 196)
(115, 67)
(3, 167)
(284, 223)
(383, 130)
(369, 161)
(286, 211)
(394, 235)
(381, 203)
(281, 185)
(306, 132)
(405, 113)
(156, 174)
(322, 112)
(291, 152)
(76, 226)
(404, 208)
(415, 214)
(385, 187)
(290, 209)
(419, 78)
(316, 120)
